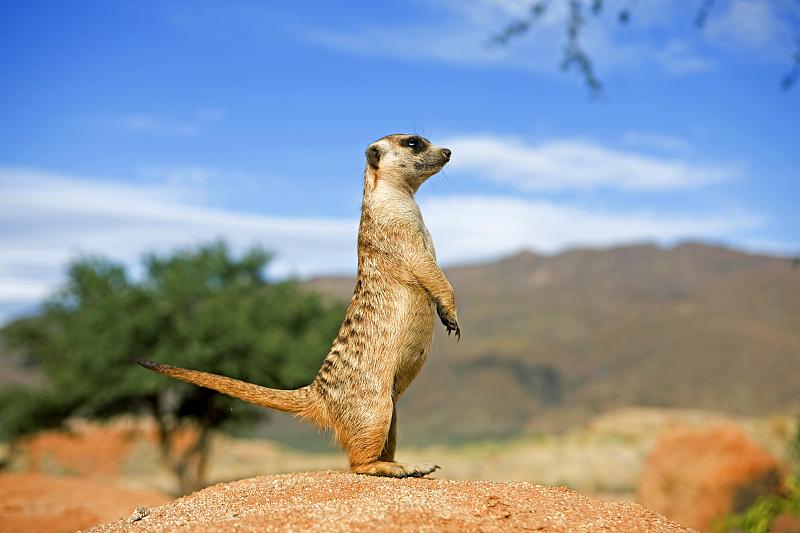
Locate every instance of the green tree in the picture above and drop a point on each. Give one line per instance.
(199, 309)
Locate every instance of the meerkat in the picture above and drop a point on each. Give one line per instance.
(386, 334)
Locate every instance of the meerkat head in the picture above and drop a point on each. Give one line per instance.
(405, 160)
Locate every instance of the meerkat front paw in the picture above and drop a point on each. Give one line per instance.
(449, 320)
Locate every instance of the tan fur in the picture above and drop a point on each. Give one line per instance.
(387, 330)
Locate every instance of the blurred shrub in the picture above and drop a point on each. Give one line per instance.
(198, 308)
(760, 517)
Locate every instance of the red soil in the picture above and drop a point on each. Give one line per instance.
(35, 503)
(93, 449)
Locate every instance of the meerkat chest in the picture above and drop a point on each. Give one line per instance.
(416, 216)
(428, 241)
(392, 225)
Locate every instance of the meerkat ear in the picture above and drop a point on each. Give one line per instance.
(373, 156)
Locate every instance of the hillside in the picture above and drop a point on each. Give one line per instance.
(549, 340)
(328, 501)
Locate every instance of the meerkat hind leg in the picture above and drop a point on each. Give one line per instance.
(385, 465)
(391, 439)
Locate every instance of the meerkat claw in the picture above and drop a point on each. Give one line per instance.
(451, 328)
(449, 321)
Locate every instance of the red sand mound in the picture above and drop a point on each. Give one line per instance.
(35, 503)
(696, 476)
(335, 501)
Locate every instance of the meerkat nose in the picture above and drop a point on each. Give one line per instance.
(446, 153)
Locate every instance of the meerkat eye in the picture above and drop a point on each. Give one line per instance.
(416, 144)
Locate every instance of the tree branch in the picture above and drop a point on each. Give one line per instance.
(521, 26)
(790, 78)
(703, 11)
(574, 54)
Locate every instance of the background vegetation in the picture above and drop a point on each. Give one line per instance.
(200, 309)
(760, 517)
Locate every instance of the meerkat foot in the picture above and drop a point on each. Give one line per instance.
(392, 469)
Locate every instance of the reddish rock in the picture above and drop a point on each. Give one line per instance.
(697, 476)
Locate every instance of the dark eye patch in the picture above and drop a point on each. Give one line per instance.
(415, 143)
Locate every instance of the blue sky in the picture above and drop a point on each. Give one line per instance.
(136, 126)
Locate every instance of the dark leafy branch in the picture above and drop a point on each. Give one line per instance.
(575, 55)
(702, 13)
(790, 78)
(521, 26)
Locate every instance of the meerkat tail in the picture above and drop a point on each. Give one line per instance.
(295, 401)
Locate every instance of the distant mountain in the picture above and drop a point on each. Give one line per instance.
(550, 340)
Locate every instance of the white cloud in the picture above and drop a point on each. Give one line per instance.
(575, 165)
(755, 25)
(139, 121)
(50, 218)
(680, 57)
(466, 228)
(656, 141)
(457, 32)
(189, 127)
(770, 247)
(660, 34)
(53, 216)
(461, 33)
(21, 290)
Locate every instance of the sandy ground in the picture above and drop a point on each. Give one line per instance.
(336, 501)
(34, 503)
(120, 462)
